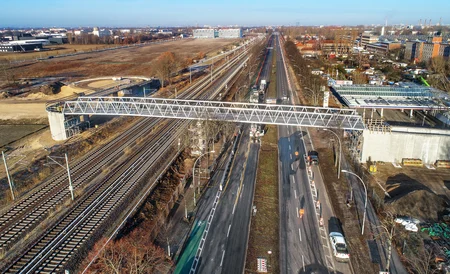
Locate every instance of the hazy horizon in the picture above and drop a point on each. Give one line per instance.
(141, 13)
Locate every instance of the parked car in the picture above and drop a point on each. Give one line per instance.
(339, 247)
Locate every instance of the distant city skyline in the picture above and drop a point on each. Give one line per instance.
(141, 13)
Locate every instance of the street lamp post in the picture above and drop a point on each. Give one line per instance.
(315, 95)
(193, 171)
(365, 202)
(340, 151)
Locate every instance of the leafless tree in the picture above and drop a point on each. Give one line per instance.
(441, 67)
(166, 64)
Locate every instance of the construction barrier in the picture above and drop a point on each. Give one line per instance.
(411, 162)
(442, 163)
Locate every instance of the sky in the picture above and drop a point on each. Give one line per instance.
(141, 13)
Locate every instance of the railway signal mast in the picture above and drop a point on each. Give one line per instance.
(53, 159)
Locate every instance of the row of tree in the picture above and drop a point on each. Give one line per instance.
(312, 85)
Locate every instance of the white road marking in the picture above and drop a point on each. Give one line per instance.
(297, 212)
(229, 228)
(291, 156)
(300, 234)
(289, 147)
(223, 255)
(234, 207)
(295, 192)
(303, 261)
(289, 139)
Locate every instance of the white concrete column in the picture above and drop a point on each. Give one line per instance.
(381, 112)
(411, 113)
(56, 123)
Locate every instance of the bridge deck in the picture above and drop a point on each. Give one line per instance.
(216, 110)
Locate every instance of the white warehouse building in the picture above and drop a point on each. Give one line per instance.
(205, 33)
(230, 33)
(221, 33)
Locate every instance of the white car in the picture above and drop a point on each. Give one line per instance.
(339, 247)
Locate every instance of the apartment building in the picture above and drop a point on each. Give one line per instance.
(368, 38)
(425, 50)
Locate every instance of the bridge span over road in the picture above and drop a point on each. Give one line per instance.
(292, 115)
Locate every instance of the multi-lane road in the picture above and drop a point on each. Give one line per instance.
(304, 246)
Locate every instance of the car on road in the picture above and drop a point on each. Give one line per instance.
(339, 246)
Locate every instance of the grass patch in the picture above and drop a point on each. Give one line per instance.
(11, 133)
(272, 90)
(264, 231)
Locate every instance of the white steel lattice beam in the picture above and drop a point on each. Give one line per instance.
(211, 110)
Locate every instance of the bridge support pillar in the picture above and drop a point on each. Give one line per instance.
(57, 126)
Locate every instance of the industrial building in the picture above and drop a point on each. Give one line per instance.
(221, 33)
(22, 46)
(404, 121)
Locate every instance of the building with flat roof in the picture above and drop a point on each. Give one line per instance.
(230, 33)
(20, 47)
(205, 33)
(367, 38)
(404, 121)
(220, 33)
(383, 47)
(425, 50)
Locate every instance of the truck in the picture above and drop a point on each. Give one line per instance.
(262, 86)
(313, 157)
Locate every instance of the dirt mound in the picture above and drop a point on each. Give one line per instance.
(421, 204)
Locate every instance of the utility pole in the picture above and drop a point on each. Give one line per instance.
(9, 177)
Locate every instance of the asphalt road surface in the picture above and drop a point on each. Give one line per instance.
(226, 242)
(304, 245)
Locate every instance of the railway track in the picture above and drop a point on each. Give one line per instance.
(30, 210)
(192, 92)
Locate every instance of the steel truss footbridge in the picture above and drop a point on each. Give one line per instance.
(211, 110)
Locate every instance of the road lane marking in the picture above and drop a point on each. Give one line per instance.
(295, 192)
(291, 156)
(300, 234)
(297, 212)
(223, 255)
(229, 228)
(289, 139)
(289, 147)
(303, 261)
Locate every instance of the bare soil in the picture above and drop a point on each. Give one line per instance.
(415, 191)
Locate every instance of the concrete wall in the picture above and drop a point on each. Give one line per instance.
(57, 128)
(406, 142)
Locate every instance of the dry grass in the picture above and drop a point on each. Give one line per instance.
(130, 61)
(272, 90)
(264, 231)
(51, 50)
